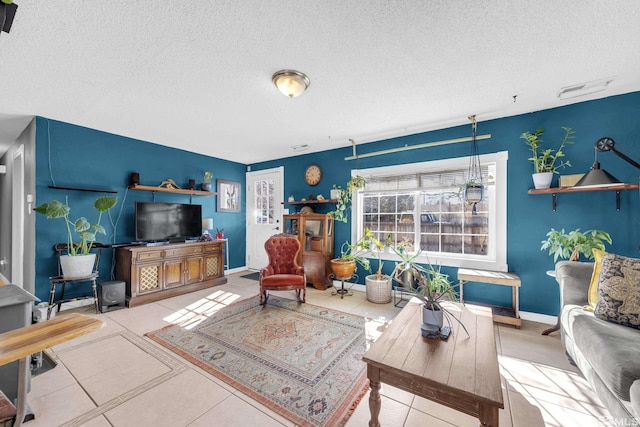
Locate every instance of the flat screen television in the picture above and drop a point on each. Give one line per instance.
(167, 221)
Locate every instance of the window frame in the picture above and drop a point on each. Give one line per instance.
(497, 258)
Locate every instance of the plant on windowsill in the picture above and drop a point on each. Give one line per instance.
(571, 245)
(78, 252)
(344, 196)
(546, 161)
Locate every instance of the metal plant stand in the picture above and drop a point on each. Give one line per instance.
(399, 294)
(342, 291)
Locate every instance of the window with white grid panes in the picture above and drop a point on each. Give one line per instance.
(265, 208)
(421, 206)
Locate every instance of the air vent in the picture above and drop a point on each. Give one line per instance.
(583, 89)
(301, 147)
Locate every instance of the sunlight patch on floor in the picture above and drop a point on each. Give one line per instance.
(562, 398)
(195, 313)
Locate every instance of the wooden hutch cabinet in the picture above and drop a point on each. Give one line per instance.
(157, 272)
(315, 233)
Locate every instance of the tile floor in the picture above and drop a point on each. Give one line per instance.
(118, 377)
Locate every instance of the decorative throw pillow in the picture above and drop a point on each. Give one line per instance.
(619, 290)
(593, 287)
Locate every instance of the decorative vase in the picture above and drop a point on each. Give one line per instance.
(378, 290)
(542, 180)
(77, 266)
(342, 269)
(205, 186)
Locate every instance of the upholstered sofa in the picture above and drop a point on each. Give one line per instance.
(607, 353)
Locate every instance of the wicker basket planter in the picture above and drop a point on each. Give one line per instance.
(378, 290)
(342, 269)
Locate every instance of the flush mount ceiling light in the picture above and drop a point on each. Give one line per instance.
(290, 82)
(583, 89)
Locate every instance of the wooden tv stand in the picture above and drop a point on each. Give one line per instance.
(152, 273)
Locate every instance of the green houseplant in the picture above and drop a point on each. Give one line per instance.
(206, 181)
(574, 243)
(546, 160)
(85, 230)
(432, 287)
(344, 196)
(350, 254)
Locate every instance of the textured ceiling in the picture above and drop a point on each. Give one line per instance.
(197, 75)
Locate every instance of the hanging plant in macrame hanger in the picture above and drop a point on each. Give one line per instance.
(473, 188)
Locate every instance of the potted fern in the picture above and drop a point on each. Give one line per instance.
(546, 161)
(79, 261)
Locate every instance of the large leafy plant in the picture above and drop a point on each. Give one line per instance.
(85, 230)
(574, 243)
(343, 202)
(357, 251)
(547, 159)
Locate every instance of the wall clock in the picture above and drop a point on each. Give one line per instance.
(313, 174)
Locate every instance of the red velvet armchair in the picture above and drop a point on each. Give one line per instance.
(283, 272)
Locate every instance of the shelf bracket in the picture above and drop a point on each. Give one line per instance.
(554, 199)
(617, 200)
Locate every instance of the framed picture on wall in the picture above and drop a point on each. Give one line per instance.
(228, 196)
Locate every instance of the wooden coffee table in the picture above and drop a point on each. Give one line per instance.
(461, 373)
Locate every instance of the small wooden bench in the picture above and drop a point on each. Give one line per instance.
(21, 343)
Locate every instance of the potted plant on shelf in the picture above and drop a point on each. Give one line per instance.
(571, 245)
(547, 161)
(343, 197)
(206, 181)
(78, 262)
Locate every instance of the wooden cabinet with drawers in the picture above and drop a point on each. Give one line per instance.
(157, 272)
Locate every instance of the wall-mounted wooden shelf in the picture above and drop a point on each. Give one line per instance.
(92, 190)
(554, 191)
(310, 202)
(171, 190)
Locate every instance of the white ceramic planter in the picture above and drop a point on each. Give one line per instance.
(378, 290)
(77, 266)
(542, 180)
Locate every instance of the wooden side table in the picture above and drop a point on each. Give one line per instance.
(506, 315)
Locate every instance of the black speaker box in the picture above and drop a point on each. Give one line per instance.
(135, 178)
(111, 296)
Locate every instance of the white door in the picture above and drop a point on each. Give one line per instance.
(265, 194)
(17, 218)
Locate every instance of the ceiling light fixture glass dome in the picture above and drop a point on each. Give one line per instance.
(290, 82)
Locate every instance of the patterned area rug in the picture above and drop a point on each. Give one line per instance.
(302, 361)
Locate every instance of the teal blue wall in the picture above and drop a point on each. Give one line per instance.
(82, 157)
(529, 217)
